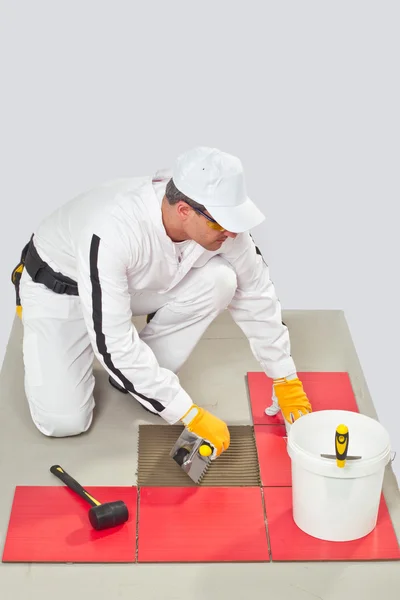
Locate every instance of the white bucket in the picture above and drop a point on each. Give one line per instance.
(332, 503)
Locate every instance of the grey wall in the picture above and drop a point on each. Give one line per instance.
(306, 93)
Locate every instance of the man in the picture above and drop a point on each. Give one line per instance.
(175, 247)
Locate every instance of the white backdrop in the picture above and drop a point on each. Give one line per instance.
(306, 93)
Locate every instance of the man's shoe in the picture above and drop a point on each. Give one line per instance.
(124, 391)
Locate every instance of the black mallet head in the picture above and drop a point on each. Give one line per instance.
(109, 514)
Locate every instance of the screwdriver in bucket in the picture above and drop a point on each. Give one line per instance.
(341, 447)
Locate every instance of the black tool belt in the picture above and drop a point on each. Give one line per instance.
(41, 272)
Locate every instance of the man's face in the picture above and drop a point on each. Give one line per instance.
(200, 229)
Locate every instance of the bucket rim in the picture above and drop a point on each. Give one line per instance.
(301, 452)
(295, 430)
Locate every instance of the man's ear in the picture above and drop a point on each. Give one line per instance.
(183, 210)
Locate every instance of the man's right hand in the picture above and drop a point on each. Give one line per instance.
(209, 427)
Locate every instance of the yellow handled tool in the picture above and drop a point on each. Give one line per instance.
(341, 445)
(101, 516)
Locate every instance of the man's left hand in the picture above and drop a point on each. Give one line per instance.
(292, 399)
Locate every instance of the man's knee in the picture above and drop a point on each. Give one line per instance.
(62, 425)
(222, 281)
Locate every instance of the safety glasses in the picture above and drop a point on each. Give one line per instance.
(210, 221)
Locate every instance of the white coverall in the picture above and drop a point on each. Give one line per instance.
(112, 242)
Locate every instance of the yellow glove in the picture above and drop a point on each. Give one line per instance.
(292, 398)
(209, 427)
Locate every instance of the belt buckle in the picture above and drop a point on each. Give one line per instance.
(59, 287)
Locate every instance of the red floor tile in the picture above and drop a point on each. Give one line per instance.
(201, 525)
(326, 391)
(50, 524)
(289, 543)
(274, 461)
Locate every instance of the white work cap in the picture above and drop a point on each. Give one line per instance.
(215, 179)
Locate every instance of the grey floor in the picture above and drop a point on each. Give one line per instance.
(107, 455)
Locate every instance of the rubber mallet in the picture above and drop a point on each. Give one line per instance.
(101, 516)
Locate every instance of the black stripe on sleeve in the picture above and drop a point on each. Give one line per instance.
(97, 314)
(258, 251)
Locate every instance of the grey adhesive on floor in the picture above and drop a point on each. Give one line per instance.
(237, 466)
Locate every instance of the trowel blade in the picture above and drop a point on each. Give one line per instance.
(333, 456)
(185, 453)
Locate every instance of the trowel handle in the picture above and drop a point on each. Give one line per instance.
(341, 445)
(206, 449)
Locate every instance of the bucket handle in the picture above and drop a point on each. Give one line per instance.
(394, 456)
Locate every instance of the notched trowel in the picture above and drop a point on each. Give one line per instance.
(193, 454)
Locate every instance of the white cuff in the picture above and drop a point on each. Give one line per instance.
(190, 415)
(283, 368)
(175, 410)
